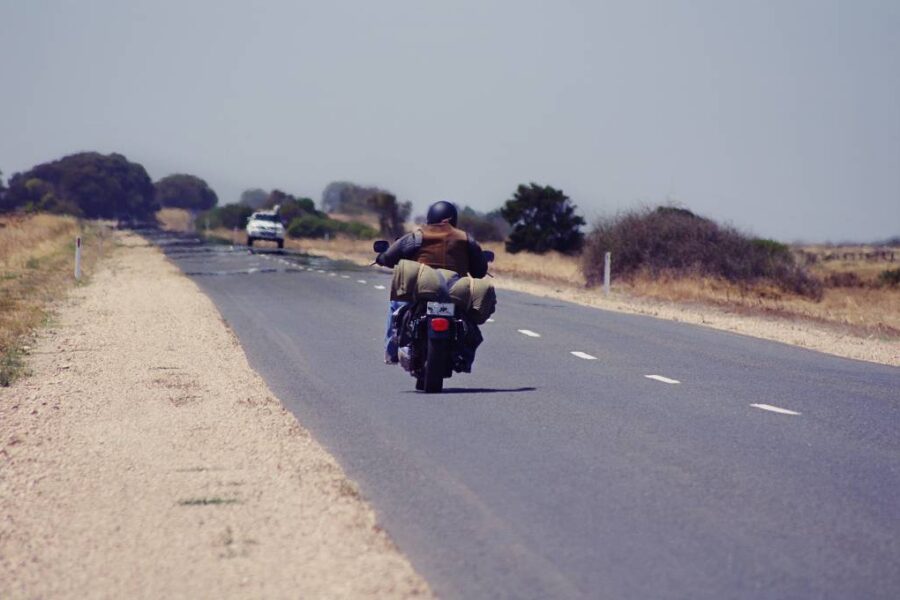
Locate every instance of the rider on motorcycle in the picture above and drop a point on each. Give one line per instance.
(438, 244)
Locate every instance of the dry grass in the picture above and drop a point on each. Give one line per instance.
(174, 219)
(866, 311)
(36, 268)
(552, 267)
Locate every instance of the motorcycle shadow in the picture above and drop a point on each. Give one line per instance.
(460, 390)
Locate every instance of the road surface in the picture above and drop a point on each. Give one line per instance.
(590, 454)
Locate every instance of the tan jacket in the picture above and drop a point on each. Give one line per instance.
(445, 247)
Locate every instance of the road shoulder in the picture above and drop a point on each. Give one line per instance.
(145, 458)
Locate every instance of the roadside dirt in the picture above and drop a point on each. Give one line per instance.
(144, 458)
(806, 333)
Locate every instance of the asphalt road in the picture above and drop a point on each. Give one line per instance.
(662, 460)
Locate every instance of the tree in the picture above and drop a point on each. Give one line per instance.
(290, 208)
(483, 227)
(87, 184)
(229, 216)
(542, 218)
(347, 198)
(391, 214)
(2, 193)
(254, 198)
(185, 191)
(351, 199)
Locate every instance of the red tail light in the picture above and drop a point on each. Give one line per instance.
(440, 324)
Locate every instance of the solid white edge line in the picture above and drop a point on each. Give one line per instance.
(775, 409)
(663, 379)
(583, 355)
(529, 333)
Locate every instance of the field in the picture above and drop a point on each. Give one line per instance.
(36, 269)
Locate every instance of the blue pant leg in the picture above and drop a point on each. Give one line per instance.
(390, 345)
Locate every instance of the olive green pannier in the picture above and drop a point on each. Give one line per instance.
(417, 281)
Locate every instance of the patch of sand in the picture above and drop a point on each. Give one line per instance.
(145, 458)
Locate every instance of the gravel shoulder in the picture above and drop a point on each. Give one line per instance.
(797, 331)
(144, 458)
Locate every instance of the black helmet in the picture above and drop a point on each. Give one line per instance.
(441, 211)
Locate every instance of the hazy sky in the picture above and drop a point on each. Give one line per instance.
(780, 117)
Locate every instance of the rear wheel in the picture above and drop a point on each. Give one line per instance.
(281, 243)
(250, 242)
(436, 365)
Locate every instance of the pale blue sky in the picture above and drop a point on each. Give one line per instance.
(782, 118)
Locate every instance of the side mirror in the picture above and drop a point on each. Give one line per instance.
(488, 256)
(380, 246)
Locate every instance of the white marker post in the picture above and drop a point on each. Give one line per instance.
(77, 258)
(606, 267)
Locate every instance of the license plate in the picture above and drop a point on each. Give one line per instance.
(440, 309)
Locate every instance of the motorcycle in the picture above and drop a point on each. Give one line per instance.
(434, 337)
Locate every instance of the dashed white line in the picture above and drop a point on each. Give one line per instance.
(775, 409)
(321, 270)
(529, 333)
(362, 281)
(661, 378)
(332, 274)
(489, 321)
(583, 355)
(380, 287)
(345, 277)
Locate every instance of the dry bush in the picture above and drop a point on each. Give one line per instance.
(676, 241)
(843, 279)
(889, 278)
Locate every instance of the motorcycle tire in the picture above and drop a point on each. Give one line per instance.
(436, 365)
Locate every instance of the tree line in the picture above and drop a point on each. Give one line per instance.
(97, 186)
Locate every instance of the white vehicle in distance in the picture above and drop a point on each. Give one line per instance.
(265, 225)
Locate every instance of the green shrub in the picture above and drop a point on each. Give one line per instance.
(889, 278)
(228, 216)
(319, 225)
(312, 226)
(360, 231)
